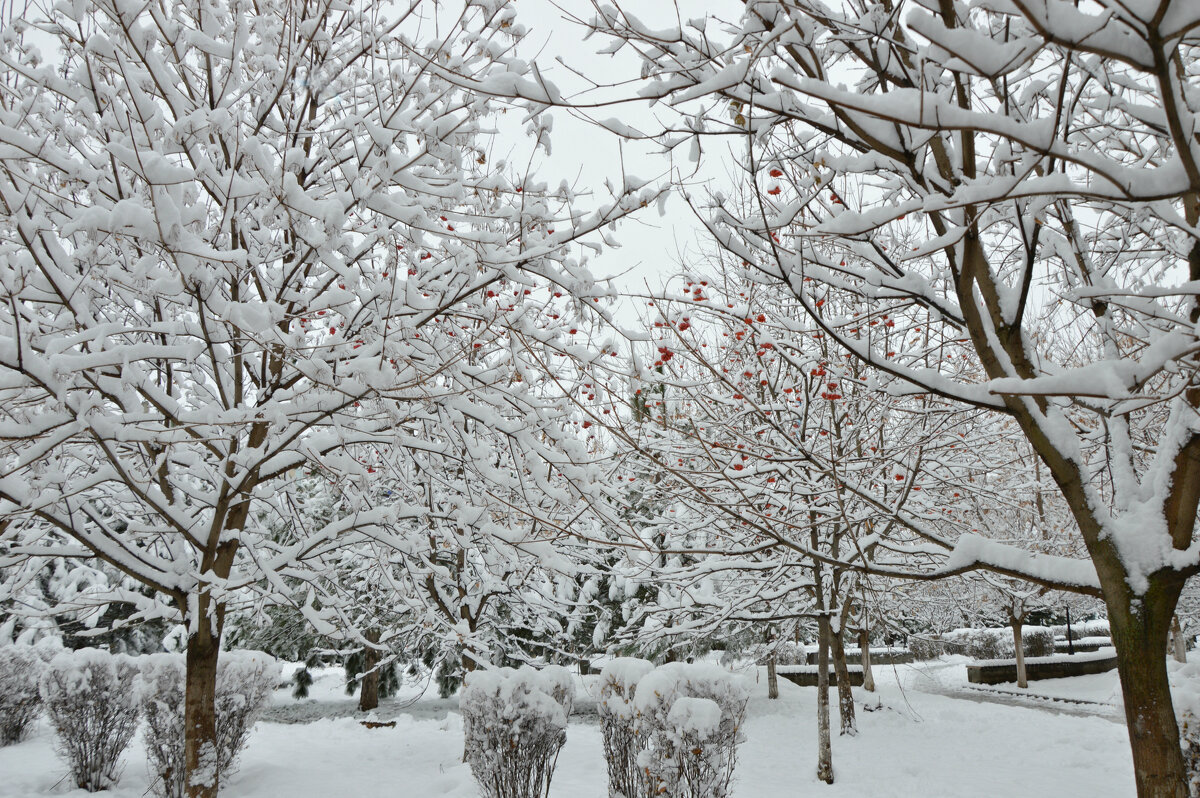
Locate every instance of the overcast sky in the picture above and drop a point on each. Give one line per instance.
(652, 246)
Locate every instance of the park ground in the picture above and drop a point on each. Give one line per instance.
(927, 734)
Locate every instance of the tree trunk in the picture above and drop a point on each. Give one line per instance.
(1178, 644)
(368, 691)
(772, 678)
(864, 645)
(844, 688)
(1019, 648)
(1139, 633)
(824, 748)
(199, 709)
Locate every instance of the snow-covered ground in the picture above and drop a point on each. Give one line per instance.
(925, 740)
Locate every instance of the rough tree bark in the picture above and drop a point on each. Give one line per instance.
(1139, 633)
(368, 691)
(824, 747)
(1018, 647)
(1178, 643)
(199, 708)
(845, 690)
(864, 645)
(772, 678)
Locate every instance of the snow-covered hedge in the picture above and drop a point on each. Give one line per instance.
(691, 715)
(1081, 629)
(926, 646)
(1038, 641)
(618, 721)
(91, 700)
(786, 653)
(983, 644)
(20, 701)
(515, 723)
(244, 683)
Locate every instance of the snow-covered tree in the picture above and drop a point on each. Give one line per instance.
(245, 244)
(985, 172)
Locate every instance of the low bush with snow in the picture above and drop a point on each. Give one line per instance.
(1185, 694)
(558, 682)
(983, 644)
(618, 721)
(91, 701)
(785, 653)
(1081, 629)
(162, 693)
(692, 717)
(515, 723)
(1038, 641)
(245, 680)
(1189, 734)
(926, 646)
(20, 700)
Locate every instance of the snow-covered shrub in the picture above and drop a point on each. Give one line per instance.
(301, 680)
(618, 721)
(558, 682)
(161, 692)
(514, 728)
(1038, 641)
(984, 644)
(1081, 629)
(244, 683)
(20, 702)
(92, 704)
(997, 642)
(1189, 741)
(785, 653)
(1185, 695)
(926, 646)
(245, 680)
(692, 716)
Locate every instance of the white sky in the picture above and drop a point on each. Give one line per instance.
(653, 247)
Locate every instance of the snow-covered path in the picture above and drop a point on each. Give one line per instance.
(1094, 696)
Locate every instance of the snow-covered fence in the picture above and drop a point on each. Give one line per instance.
(618, 721)
(92, 703)
(244, 683)
(515, 723)
(20, 701)
(692, 716)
